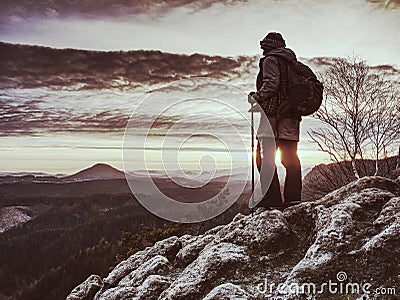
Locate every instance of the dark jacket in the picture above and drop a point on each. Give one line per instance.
(269, 79)
(269, 97)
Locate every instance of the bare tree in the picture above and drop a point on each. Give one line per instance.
(384, 118)
(359, 113)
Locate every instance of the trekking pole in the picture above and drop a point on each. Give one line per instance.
(252, 158)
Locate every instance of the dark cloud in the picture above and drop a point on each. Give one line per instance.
(26, 66)
(116, 8)
(95, 8)
(33, 66)
(31, 119)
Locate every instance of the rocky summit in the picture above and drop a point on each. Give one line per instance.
(345, 245)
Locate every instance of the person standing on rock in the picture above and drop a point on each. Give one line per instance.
(285, 123)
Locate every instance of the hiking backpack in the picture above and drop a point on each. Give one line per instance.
(302, 89)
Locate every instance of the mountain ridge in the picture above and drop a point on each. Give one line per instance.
(98, 171)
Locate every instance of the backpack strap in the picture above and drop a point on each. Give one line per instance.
(283, 79)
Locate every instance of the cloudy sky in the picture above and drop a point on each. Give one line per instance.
(311, 27)
(229, 28)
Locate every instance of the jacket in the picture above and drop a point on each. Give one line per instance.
(269, 97)
(268, 78)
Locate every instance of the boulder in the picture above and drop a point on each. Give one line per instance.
(353, 232)
(213, 262)
(227, 291)
(87, 289)
(168, 248)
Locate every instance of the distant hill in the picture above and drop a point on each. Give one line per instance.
(97, 172)
(97, 179)
(323, 179)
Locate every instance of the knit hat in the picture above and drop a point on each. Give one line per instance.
(273, 40)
